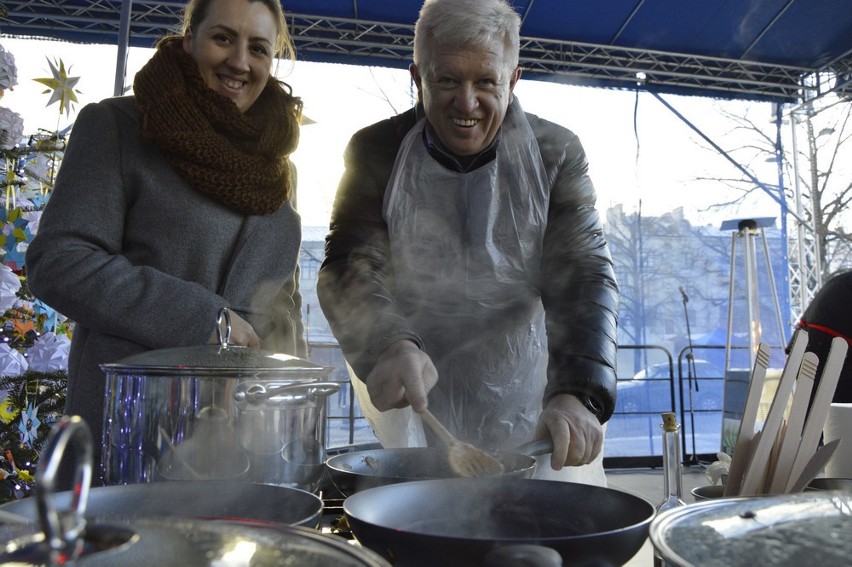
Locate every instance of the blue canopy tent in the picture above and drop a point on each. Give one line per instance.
(789, 52)
(758, 49)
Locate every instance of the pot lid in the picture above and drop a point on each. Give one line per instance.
(65, 536)
(196, 543)
(215, 359)
(792, 529)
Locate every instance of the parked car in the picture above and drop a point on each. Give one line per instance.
(650, 389)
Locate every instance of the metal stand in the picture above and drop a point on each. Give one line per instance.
(747, 230)
(691, 374)
(737, 380)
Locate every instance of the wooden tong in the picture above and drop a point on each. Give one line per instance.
(756, 470)
(742, 449)
(812, 430)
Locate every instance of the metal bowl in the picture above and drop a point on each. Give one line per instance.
(831, 484)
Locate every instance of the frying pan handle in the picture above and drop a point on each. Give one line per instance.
(523, 555)
(63, 531)
(535, 448)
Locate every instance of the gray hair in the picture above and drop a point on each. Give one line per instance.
(459, 24)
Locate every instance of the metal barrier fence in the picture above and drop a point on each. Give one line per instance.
(691, 384)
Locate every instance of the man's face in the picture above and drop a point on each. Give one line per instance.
(234, 47)
(465, 94)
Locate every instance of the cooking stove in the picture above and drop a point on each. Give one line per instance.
(333, 521)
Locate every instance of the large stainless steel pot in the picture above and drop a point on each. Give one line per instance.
(215, 412)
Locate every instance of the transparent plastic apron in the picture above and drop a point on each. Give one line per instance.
(465, 253)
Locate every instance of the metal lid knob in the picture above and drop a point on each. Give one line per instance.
(63, 530)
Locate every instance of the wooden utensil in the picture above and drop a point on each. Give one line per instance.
(756, 470)
(812, 468)
(742, 449)
(795, 421)
(815, 421)
(464, 458)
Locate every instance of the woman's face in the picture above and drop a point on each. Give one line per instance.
(234, 47)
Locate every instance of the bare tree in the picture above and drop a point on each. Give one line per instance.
(654, 257)
(823, 155)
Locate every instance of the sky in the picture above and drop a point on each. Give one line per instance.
(656, 163)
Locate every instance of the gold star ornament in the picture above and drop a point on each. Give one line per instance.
(61, 86)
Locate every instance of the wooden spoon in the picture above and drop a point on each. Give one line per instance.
(464, 458)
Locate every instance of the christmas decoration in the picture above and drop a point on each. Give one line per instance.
(34, 339)
(33, 402)
(61, 86)
(8, 71)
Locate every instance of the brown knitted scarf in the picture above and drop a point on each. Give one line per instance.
(239, 159)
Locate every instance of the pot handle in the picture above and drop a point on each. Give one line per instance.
(63, 531)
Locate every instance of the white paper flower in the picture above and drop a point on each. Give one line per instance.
(49, 353)
(10, 283)
(718, 469)
(12, 363)
(33, 219)
(39, 168)
(11, 128)
(8, 70)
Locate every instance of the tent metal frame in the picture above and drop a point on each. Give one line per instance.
(359, 42)
(320, 38)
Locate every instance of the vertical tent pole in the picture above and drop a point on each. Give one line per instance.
(122, 41)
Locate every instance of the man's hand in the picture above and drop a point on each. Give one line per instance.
(403, 375)
(576, 432)
(242, 333)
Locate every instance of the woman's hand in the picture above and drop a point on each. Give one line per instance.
(242, 333)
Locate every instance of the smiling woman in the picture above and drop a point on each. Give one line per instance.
(176, 202)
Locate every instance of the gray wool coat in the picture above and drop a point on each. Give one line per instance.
(140, 260)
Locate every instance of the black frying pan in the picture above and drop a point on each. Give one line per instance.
(459, 521)
(360, 470)
(201, 499)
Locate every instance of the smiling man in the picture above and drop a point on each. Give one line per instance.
(466, 268)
